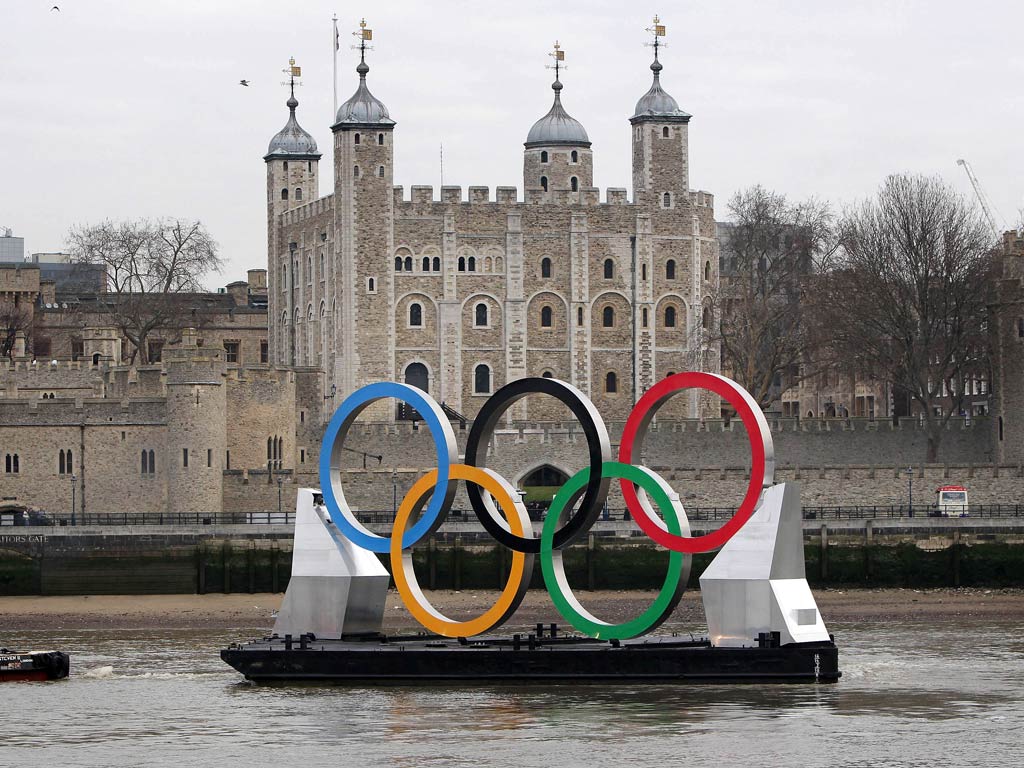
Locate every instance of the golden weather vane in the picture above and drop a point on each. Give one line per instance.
(658, 30)
(363, 34)
(293, 71)
(559, 56)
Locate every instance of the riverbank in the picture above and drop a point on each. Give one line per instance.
(256, 611)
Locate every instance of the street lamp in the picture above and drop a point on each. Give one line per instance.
(280, 482)
(334, 391)
(74, 483)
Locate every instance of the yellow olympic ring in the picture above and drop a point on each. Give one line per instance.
(402, 566)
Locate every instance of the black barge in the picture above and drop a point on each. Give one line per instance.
(37, 666)
(534, 658)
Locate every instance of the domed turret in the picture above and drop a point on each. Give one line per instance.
(656, 104)
(292, 141)
(363, 108)
(557, 127)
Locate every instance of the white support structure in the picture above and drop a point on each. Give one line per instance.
(336, 587)
(757, 582)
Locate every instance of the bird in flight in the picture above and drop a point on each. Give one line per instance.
(55, 8)
(244, 82)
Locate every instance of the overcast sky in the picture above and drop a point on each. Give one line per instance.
(120, 110)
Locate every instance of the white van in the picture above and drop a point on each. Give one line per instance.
(951, 501)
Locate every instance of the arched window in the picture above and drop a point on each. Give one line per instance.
(670, 317)
(545, 316)
(670, 269)
(480, 319)
(355, 171)
(643, 317)
(286, 165)
(705, 319)
(408, 263)
(380, 171)
(545, 267)
(664, 132)
(574, 184)
(398, 263)
(707, 270)
(482, 380)
(95, 358)
(548, 375)
(544, 183)
(284, 194)
(426, 263)
(371, 285)
(415, 315)
(145, 464)
(462, 263)
(611, 382)
(437, 263)
(544, 156)
(608, 317)
(609, 269)
(298, 193)
(579, 316)
(356, 139)
(309, 166)
(60, 463)
(666, 200)
(416, 375)
(643, 271)
(471, 264)
(380, 139)
(574, 156)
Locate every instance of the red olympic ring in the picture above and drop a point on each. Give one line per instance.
(762, 457)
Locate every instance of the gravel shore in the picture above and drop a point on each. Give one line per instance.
(256, 611)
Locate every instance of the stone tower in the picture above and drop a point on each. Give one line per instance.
(292, 166)
(196, 426)
(364, 226)
(661, 175)
(557, 155)
(1007, 337)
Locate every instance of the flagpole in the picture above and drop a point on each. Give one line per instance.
(335, 43)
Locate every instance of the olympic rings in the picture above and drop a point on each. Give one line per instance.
(330, 463)
(511, 526)
(597, 441)
(676, 577)
(762, 451)
(405, 576)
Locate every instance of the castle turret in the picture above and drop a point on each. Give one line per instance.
(557, 155)
(292, 166)
(364, 225)
(661, 167)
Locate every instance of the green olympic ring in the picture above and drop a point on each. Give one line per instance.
(552, 565)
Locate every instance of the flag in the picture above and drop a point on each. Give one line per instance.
(337, 44)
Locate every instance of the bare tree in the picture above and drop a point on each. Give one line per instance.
(149, 266)
(909, 299)
(14, 319)
(771, 251)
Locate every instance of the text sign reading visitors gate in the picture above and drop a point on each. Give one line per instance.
(503, 515)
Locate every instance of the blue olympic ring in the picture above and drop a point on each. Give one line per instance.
(330, 464)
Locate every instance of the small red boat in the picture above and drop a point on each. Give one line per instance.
(37, 665)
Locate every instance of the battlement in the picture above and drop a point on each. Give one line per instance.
(308, 210)
(702, 199)
(82, 411)
(423, 195)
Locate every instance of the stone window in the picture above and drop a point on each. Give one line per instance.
(707, 270)
(471, 264)
(426, 263)
(231, 351)
(670, 317)
(355, 171)
(611, 382)
(574, 184)
(415, 315)
(209, 457)
(309, 270)
(284, 194)
(544, 183)
(643, 317)
(670, 269)
(298, 193)
(380, 139)
(356, 139)
(544, 156)
(155, 350)
(408, 263)
(545, 267)
(480, 316)
(12, 464)
(264, 351)
(65, 463)
(302, 455)
(286, 165)
(77, 348)
(666, 200)
(309, 166)
(462, 263)
(574, 156)
(608, 317)
(548, 375)
(579, 316)
(371, 285)
(643, 271)
(398, 263)
(609, 269)
(437, 263)
(380, 171)
(545, 317)
(669, 373)
(705, 318)
(664, 132)
(184, 457)
(227, 459)
(482, 380)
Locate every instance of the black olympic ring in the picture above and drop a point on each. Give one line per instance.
(597, 441)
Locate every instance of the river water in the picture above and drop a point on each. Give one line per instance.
(912, 694)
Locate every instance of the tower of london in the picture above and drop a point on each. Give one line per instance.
(460, 292)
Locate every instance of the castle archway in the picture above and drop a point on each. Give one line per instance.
(540, 485)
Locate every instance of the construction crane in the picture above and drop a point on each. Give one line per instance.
(986, 205)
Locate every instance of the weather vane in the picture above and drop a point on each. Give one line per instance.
(293, 71)
(658, 30)
(363, 34)
(559, 56)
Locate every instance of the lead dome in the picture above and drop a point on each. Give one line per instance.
(557, 127)
(292, 141)
(363, 108)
